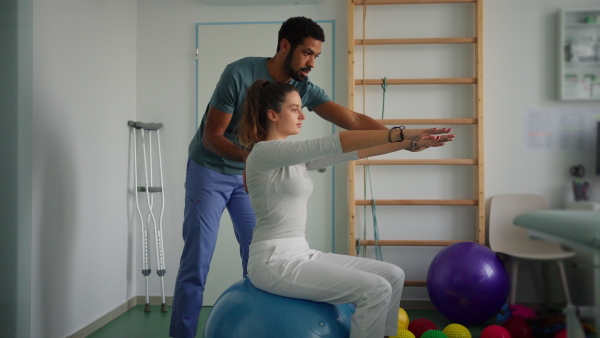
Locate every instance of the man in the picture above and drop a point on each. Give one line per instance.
(216, 161)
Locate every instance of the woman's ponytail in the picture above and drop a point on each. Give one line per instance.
(250, 129)
(261, 97)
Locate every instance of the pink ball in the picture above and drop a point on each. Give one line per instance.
(521, 311)
(495, 331)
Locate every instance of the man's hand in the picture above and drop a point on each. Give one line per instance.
(214, 136)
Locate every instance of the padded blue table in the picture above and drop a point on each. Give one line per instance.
(580, 230)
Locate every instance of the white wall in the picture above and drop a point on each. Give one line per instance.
(166, 92)
(84, 92)
(520, 73)
(99, 63)
(519, 70)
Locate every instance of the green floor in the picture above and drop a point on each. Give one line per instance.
(137, 323)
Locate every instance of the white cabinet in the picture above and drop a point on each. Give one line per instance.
(579, 54)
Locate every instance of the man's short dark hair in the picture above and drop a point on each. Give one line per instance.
(296, 29)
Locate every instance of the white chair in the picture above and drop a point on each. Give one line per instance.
(514, 241)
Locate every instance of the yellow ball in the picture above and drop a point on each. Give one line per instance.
(403, 320)
(404, 333)
(457, 331)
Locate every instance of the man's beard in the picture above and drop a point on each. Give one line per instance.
(296, 75)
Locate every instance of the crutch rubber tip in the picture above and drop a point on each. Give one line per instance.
(147, 307)
(163, 307)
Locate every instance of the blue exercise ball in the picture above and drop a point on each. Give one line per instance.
(243, 311)
(467, 283)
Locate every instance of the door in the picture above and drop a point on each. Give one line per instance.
(219, 44)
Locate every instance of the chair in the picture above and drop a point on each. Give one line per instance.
(514, 241)
(577, 229)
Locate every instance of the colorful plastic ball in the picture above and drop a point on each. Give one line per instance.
(518, 327)
(522, 311)
(504, 314)
(403, 319)
(495, 331)
(434, 334)
(456, 331)
(420, 326)
(404, 333)
(467, 283)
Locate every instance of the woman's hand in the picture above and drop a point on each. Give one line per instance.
(420, 134)
(431, 141)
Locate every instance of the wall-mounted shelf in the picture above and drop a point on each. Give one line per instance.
(579, 54)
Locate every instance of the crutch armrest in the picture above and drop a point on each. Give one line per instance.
(145, 126)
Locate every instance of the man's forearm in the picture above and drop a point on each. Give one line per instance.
(364, 122)
(346, 118)
(223, 147)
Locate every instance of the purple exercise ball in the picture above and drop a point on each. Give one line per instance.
(467, 283)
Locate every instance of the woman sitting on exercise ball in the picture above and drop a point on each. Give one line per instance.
(281, 261)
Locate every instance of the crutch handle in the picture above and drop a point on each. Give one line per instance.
(145, 126)
(150, 189)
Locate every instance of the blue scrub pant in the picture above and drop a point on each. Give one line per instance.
(207, 194)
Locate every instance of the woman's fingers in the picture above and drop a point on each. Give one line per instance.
(429, 134)
(433, 141)
(446, 138)
(445, 130)
(424, 134)
(436, 131)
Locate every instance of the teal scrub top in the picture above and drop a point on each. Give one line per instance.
(229, 96)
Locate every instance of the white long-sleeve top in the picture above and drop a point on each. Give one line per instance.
(279, 184)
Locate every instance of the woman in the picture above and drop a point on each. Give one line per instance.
(281, 261)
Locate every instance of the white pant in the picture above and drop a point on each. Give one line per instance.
(289, 268)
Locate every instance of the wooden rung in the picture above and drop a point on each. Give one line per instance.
(415, 41)
(426, 121)
(418, 162)
(418, 202)
(406, 2)
(415, 283)
(391, 242)
(468, 80)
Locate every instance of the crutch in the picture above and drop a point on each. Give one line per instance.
(150, 189)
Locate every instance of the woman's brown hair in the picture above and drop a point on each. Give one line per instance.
(261, 97)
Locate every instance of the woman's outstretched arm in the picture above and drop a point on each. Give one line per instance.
(414, 146)
(364, 139)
